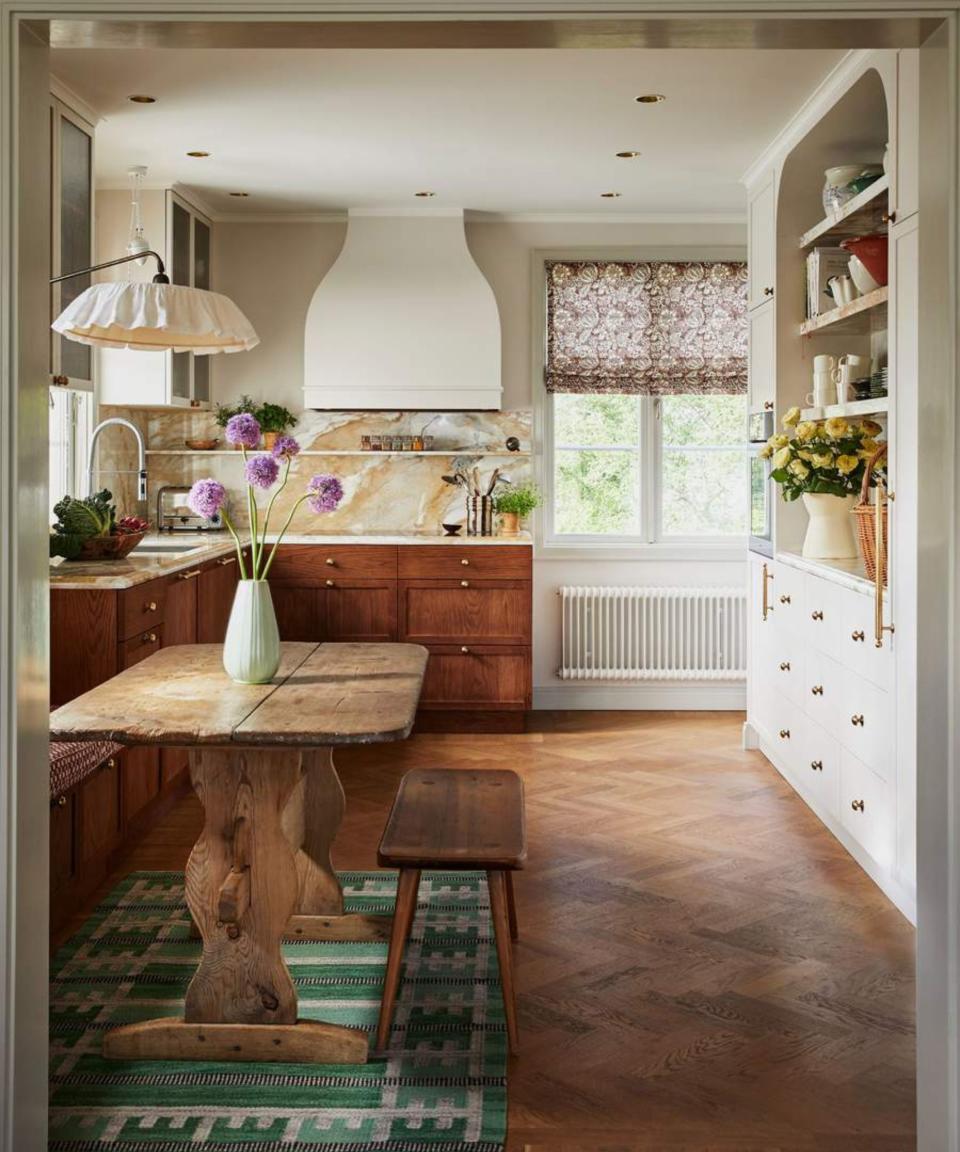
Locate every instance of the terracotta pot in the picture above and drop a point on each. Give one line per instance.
(871, 251)
(269, 439)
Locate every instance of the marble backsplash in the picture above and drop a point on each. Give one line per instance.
(384, 492)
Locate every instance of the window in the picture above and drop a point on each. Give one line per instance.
(71, 416)
(647, 407)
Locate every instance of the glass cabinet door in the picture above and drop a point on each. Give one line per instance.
(74, 221)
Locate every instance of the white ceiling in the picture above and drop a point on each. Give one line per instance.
(519, 131)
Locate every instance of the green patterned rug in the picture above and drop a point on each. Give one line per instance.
(442, 1088)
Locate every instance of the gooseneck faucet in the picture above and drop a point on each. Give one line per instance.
(141, 455)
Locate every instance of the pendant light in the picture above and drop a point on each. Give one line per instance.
(137, 245)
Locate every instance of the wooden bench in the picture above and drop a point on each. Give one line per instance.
(463, 820)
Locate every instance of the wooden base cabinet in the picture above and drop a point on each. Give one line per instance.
(484, 677)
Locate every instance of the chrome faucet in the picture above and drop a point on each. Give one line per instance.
(141, 456)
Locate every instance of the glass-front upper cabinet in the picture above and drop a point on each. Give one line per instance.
(71, 235)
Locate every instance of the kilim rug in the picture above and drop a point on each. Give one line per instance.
(442, 1088)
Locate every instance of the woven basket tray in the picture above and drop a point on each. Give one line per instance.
(865, 518)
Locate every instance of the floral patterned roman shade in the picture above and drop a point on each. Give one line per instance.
(646, 328)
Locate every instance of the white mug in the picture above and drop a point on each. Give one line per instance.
(823, 391)
(824, 364)
(843, 289)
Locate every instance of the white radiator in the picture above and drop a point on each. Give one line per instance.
(653, 634)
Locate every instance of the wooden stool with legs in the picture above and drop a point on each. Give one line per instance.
(464, 820)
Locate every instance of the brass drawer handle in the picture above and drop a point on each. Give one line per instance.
(785, 599)
(464, 561)
(60, 802)
(110, 762)
(188, 575)
(150, 606)
(785, 666)
(330, 562)
(464, 649)
(464, 583)
(816, 614)
(768, 291)
(889, 218)
(857, 721)
(857, 805)
(330, 583)
(768, 405)
(817, 690)
(149, 637)
(784, 733)
(225, 560)
(816, 765)
(858, 635)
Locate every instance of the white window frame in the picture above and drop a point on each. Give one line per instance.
(646, 545)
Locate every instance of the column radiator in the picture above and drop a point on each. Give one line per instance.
(653, 634)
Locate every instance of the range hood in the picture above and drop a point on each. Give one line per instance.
(403, 320)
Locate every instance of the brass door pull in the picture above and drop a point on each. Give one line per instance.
(785, 666)
(857, 805)
(816, 765)
(766, 609)
(817, 690)
(188, 575)
(857, 721)
(784, 733)
(859, 635)
(224, 561)
(816, 614)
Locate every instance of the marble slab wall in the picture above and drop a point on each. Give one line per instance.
(385, 493)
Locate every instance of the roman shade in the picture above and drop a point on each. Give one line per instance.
(646, 328)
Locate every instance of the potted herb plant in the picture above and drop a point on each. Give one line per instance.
(274, 420)
(251, 650)
(823, 461)
(245, 406)
(514, 504)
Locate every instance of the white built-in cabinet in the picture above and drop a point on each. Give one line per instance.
(181, 234)
(831, 698)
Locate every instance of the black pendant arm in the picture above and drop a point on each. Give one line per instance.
(160, 278)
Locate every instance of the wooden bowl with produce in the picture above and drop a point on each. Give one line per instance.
(88, 529)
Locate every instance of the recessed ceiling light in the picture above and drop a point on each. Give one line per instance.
(241, 195)
(198, 155)
(142, 99)
(425, 195)
(611, 195)
(651, 98)
(628, 155)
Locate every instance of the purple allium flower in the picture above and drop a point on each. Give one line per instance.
(327, 492)
(243, 429)
(285, 447)
(207, 497)
(261, 471)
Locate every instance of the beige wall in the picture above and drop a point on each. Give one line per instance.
(271, 271)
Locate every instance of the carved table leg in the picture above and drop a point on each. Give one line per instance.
(241, 887)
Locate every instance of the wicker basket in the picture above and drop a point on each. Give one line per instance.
(866, 521)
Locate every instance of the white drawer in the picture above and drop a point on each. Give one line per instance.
(781, 665)
(866, 725)
(867, 809)
(822, 613)
(785, 729)
(823, 691)
(857, 647)
(818, 766)
(786, 596)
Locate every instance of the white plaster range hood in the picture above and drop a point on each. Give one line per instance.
(404, 319)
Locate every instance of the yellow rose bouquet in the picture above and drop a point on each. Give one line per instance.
(826, 456)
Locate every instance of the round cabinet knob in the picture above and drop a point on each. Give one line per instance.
(151, 637)
(768, 405)
(330, 562)
(858, 635)
(816, 614)
(110, 762)
(857, 721)
(817, 690)
(889, 217)
(61, 801)
(784, 733)
(857, 805)
(785, 599)
(816, 765)
(768, 291)
(330, 583)
(150, 606)
(785, 666)
(464, 649)
(464, 561)
(464, 583)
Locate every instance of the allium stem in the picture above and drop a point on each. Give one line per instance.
(283, 484)
(273, 550)
(252, 516)
(236, 540)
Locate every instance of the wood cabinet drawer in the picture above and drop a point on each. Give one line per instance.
(98, 811)
(476, 561)
(311, 564)
(141, 607)
(867, 809)
(138, 648)
(818, 766)
(465, 677)
(364, 611)
(465, 611)
(785, 596)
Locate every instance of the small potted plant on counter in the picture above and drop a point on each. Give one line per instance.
(514, 505)
(245, 406)
(823, 461)
(274, 420)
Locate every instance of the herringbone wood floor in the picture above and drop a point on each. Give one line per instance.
(702, 968)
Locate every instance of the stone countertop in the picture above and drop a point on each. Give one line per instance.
(138, 569)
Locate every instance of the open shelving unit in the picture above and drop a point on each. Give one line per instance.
(864, 213)
(878, 406)
(850, 318)
(447, 452)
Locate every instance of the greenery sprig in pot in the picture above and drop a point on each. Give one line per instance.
(823, 461)
(514, 504)
(274, 420)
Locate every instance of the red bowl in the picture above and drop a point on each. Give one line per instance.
(872, 252)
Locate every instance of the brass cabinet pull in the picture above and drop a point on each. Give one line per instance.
(816, 765)
(330, 562)
(857, 805)
(110, 762)
(225, 560)
(464, 583)
(785, 599)
(766, 597)
(882, 496)
(889, 218)
(150, 637)
(785, 666)
(768, 291)
(768, 405)
(859, 635)
(464, 649)
(817, 690)
(816, 614)
(857, 721)
(464, 561)
(330, 583)
(188, 575)
(60, 802)
(784, 733)
(150, 606)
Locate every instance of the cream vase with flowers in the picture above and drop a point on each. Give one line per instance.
(823, 461)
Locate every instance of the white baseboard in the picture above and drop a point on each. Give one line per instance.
(693, 696)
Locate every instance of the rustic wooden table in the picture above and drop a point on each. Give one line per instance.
(261, 761)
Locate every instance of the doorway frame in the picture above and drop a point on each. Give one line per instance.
(24, 656)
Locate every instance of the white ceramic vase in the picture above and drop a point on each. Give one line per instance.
(251, 650)
(830, 530)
